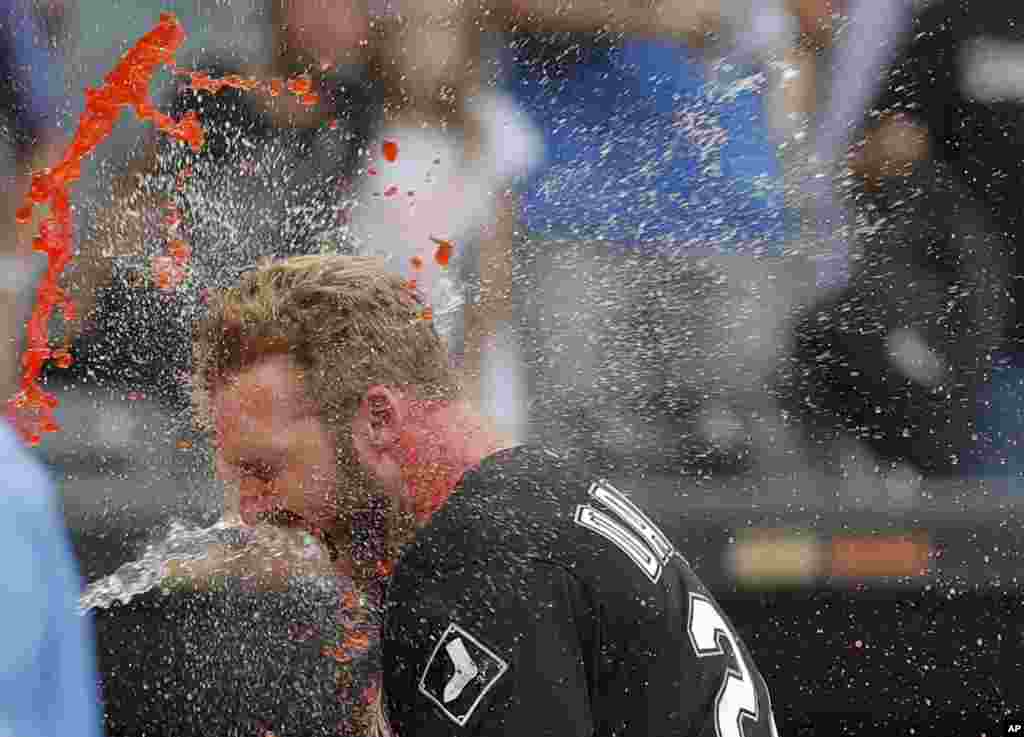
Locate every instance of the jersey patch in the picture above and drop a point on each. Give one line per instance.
(460, 672)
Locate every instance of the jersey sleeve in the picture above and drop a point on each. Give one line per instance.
(48, 680)
(669, 660)
(490, 651)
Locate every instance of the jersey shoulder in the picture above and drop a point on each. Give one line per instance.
(531, 506)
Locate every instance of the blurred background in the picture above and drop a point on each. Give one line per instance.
(769, 282)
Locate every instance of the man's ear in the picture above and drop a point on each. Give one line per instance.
(382, 416)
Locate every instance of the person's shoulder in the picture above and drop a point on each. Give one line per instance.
(31, 513)
(527, 459)
(507, 506)
(525, 480)
(532, 505)
(26, 481)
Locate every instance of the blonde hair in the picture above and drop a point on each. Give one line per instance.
(345, 320)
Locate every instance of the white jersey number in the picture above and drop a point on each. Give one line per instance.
(737, 698)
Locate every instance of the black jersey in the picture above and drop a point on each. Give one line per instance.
(539, 601)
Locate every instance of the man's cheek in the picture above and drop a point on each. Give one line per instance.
(222, 468)
(232, 495)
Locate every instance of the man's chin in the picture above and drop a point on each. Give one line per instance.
(285, 519)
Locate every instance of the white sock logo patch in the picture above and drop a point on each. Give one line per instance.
(459, 674)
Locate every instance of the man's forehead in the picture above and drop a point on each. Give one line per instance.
(272, 388)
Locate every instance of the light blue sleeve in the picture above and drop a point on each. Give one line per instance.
(48, 680)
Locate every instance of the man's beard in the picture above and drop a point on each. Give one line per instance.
(371, 525)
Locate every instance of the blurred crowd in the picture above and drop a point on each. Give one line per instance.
(677, 234)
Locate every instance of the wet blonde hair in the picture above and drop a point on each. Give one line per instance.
(346, 321)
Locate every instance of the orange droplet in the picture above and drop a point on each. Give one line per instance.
(39, 191)
(416, 262)
(180, 252)
(166, 273)
(300, 85)
(443, 254)
(357, 640)
(62, 358)
(390, 150)
(350, 600)
(337, 654)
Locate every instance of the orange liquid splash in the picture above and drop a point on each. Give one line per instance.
(390, 150)
(301, 86)
(127, 86)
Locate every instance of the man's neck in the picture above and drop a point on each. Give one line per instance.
(454, 439)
